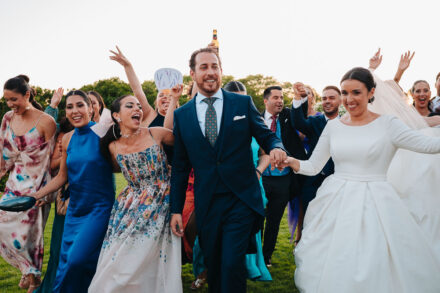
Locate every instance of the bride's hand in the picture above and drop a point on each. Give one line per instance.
(405, 60)
(119, 57)
(376, 60)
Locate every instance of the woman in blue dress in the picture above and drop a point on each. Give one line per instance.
(91, 192)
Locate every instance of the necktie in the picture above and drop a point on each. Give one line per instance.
(273, 126)
(210, 121)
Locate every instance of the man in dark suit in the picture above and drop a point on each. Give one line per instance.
(213, 135)
(280, 186)
(312, 128)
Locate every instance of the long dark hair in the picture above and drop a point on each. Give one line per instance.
(234, 87)
(84, 96)
(20, 84)
(363, 75)
(114, 133)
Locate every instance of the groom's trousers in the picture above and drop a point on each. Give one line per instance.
(224, 238)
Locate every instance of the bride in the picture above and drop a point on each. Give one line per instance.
(358, 235)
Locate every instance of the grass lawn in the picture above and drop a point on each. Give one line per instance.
(282, 263)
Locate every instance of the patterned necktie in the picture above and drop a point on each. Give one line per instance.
(273, 126)
(210, 121)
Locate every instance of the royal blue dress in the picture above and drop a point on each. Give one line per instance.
(92, 195)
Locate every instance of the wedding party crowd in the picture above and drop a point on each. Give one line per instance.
(208, 183)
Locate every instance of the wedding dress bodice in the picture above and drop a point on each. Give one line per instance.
(364, 153)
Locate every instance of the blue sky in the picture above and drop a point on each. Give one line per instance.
(66, 43)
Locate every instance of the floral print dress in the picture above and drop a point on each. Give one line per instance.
(27, 158)
(139, 253)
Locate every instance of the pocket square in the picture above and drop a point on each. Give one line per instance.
(239, 117)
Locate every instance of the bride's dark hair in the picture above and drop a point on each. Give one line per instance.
(363, 75)
(114, 132)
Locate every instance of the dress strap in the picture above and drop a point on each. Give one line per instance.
(38, 120)
(149, 130)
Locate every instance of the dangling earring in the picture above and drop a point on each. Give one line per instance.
(27, 107)
(119, 120)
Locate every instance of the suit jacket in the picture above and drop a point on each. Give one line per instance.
(311, 127)
(230, 160)
(289, 136)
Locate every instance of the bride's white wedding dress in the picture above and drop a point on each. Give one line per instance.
(358, 235)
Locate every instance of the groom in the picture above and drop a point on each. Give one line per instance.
(213, 135)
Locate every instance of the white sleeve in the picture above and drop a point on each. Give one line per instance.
(405, 138)
(320, 155)
(104, 124)
(297, 103)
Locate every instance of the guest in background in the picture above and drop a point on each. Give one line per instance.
(435, 101)
(312, 127)
(26, 142)
(60, 212)
(280, 186)
(98, 105)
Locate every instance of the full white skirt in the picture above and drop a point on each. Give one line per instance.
(360, 237)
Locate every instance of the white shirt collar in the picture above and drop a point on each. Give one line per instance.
(218, 95)
(268, 116)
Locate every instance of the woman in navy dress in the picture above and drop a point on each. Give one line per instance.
(91, 191)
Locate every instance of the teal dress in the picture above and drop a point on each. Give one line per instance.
(255, 265)
(92, 193)
(56, 236)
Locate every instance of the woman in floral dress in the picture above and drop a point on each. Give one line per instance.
(139, 253)
(26, 142)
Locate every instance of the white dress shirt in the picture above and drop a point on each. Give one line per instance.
(268, 118)
(202, 106)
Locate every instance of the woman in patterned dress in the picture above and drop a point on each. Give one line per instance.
(139, 252)
(26, 142)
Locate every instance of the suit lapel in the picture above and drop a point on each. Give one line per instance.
(194, 123)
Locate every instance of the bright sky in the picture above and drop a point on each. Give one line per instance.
(65, 43)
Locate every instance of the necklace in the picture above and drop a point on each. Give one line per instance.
(131, 134)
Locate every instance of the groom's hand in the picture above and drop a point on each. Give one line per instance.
(177, 225)
(277, 158)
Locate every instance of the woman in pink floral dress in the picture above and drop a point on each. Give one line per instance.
(26, 142)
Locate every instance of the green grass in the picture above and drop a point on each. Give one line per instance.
(282, 263)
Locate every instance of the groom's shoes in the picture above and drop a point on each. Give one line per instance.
(268, 262)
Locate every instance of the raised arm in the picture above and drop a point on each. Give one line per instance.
(298, 120)
(404, 137)
(52, 109)
(375, 61)
(405, 61)
(175, 94)
(135, 85)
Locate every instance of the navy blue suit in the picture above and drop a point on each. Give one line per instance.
(227, 195)
(311, 127)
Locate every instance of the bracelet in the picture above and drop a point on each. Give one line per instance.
(258, 171)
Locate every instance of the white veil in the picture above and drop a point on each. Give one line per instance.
(390, 99)
(414, 176)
